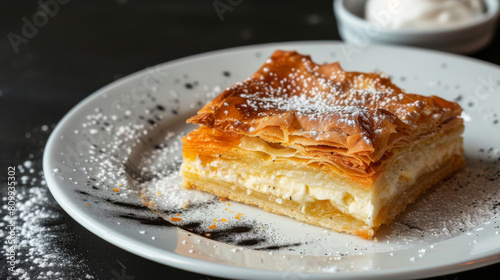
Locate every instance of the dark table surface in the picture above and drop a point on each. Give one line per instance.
(85, 45)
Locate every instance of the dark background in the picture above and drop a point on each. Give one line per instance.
(88, 44)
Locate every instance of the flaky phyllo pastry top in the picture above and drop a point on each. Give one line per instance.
(349, 121)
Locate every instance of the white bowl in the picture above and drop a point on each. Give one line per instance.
(464, 38)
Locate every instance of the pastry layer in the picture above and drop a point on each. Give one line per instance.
(353, 119)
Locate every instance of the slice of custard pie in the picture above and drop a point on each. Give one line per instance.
(344, 150)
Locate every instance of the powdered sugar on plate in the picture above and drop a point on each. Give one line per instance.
(130, 158)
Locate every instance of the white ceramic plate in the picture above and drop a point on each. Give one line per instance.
(121, 146)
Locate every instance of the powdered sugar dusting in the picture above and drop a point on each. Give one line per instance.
(310, 90)
(43, 242)
(168, 193)
(315, 107)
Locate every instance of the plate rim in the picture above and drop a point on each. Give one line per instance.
(171, 258)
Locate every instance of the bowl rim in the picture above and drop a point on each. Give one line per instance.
(492, 13)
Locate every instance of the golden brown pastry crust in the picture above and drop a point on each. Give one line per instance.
(340, 134)
(353, 119)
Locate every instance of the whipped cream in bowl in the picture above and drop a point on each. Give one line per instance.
(423, 14)
(458, 26)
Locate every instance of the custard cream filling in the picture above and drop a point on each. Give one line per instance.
(303, 184)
